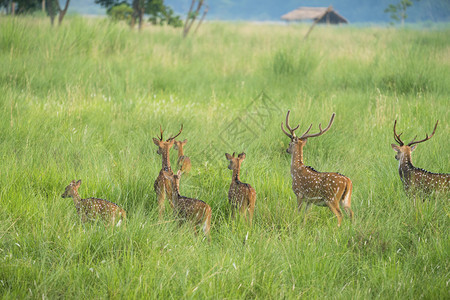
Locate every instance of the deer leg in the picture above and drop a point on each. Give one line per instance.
(334, 207)
(308, 206)
(161, 197)
(251, 209)
(299, 202)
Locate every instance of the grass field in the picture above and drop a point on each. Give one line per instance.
(84, 101)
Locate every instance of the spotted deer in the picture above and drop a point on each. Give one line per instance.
(311, 186)
(189, 209)
(184, 162)
(90, 209)
(415, 179)
(162, 185)
(241, 196)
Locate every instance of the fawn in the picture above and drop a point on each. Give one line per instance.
(311, 186)
(162, 185)
(241, 195)
(184, 162)
(190, 209)
(90, 209)
(415, 179)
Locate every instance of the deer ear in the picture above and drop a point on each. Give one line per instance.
(185, 141)
(78, 183)
(179, 173)
(228, 156)
(395, 147)
(241, 156)
(413, 147)
(156, 141)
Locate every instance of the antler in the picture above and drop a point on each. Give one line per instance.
(160, 129)
(292, 134)
(173, 137)
(306, 135)
(397, 136)
(426, 137)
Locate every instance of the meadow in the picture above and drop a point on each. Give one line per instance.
(83, 101)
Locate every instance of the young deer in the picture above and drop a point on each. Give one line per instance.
(415, 179)
(184, 162)
(241, 195)
(93, 208)
(323, 189)
(162, 185)
(190, 209)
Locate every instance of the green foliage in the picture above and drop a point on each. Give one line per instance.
(120, 12)
(398, 11)
(75, 105)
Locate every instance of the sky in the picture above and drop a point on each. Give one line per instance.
(356, 11)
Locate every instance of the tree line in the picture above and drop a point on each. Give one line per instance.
(130, 11)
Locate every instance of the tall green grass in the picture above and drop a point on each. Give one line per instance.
(84, 100)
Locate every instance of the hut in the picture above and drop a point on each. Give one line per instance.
(317, 14)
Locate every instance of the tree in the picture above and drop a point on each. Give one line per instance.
(398, 11)
(53, 9)
(162, 14)
(159, 13)
(192, 16)
(120, 12)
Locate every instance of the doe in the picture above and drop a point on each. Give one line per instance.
(241, 195)
(194, 210)
(183, 162)
(90, 209)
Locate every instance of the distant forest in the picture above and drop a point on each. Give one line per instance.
(355, 11)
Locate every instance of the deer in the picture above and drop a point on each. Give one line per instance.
(311, 186)
(189, 209)
(241, 196)
(184, 162)
(162, 185)
(90, 209)
(414, 179)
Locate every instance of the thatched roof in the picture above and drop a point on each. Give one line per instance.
(322, 14)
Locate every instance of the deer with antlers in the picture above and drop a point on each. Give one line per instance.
(183, 162)
(311, 186)
(242, 196)
(190, 209)
(162, 185)
(90, 209)
(415, 179)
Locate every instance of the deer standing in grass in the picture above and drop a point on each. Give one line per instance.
(90, 209)
(184, 162)
(162, 184)
(241, 195)
(190, 209)
(311, 186)
(415, 179)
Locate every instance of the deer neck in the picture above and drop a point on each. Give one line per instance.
(76, 198)
(297, 158)
(175, 194)
(166, 161)
(405, 166)
(180, 152)
(236, 172)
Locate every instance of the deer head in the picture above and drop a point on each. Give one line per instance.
(406, 150)
(174, 179)
(71, 189)
(235, 162)
(164, 146)
(179, 144)
(301, 141)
